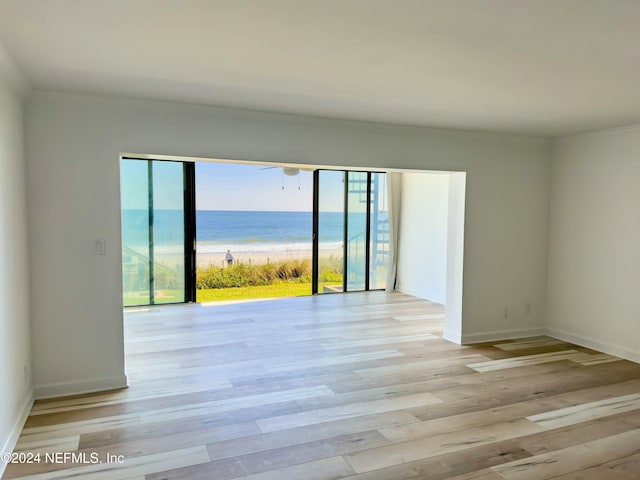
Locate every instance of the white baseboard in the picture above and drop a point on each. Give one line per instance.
(496, 335)
(62, 389)
(604, 347)
(14, 434)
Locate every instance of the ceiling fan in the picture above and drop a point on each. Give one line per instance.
(290, 171)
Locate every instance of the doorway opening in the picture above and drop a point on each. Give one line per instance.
(218, 231)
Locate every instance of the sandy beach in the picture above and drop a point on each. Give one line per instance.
(255, 258)
(259, 258)
(217, 259)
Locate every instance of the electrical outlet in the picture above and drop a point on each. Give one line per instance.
(506, 313)
(527, 307)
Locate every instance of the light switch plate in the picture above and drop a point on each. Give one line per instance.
(100, 246)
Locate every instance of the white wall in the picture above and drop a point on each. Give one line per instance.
(73, 143)
(15, 350)
(594, 241)
(422, 257)
(455, 265)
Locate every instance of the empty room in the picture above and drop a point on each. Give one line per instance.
(440, 194)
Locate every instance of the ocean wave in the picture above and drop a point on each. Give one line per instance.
(240, 248)
(214, 248)
(260, 240)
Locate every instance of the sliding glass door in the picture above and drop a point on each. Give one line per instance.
(351, 238)
(156, 260)
(329, 231)
(136, 233)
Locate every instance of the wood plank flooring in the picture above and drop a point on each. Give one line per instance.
(357, 386)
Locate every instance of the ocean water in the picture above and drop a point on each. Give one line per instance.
(246, 231)
(239, 231)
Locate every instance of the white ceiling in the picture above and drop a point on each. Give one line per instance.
(544, 67)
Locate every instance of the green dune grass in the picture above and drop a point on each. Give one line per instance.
(245, 282)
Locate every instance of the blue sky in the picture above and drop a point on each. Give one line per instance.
(227, 186)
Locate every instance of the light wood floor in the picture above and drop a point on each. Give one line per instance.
(357, 386)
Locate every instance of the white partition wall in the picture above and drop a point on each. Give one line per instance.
(431, 246)
(74, 143)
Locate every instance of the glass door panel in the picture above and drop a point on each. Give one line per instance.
(356, 238)
(134, 192)
(331, 231)
(379, 238)
(153, 231)
(168, 232)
